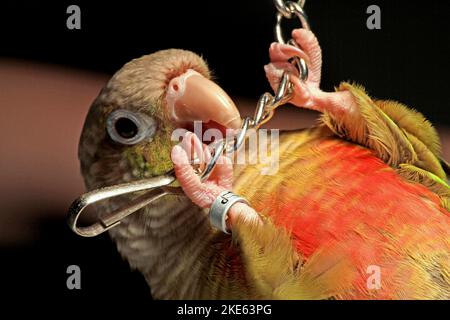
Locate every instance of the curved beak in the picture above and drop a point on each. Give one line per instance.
(192, 97)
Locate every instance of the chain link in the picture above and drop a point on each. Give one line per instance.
(264, 111)
(267, 103)
(286, 9)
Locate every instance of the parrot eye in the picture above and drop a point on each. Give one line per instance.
(129, 127)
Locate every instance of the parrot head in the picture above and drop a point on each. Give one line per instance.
(127, 134)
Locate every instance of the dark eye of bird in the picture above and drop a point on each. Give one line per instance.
(126, 128)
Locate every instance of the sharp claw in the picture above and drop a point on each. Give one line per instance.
(193, 147)
(179, 156)
(280, 52)
(274, 72)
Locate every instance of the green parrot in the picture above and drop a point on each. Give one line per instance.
(358, 209)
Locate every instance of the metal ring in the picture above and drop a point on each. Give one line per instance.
(294, 8)
(301, 15)
(261, 108)
(241, 135)
(220, 207)
(302, 67)
(284, 9)
(217, 153)
(283, 90)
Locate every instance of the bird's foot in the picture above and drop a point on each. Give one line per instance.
(306, 94)
(204, 193)
(201, 193)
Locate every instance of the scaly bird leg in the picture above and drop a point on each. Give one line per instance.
(201, 193)
(307, 94)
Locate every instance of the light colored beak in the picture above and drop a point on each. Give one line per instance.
(192, 97)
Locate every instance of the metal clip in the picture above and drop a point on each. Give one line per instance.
(157, 186)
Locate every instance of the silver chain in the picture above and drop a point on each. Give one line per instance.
(267, 103)
(285, 8)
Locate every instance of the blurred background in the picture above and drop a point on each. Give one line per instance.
(49, 75)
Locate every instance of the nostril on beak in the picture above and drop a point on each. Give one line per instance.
(192, 97)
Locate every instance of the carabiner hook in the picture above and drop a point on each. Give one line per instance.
(158, 187)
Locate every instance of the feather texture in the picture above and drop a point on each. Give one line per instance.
(364, 190)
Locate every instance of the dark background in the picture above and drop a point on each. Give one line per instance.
(407, 60)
